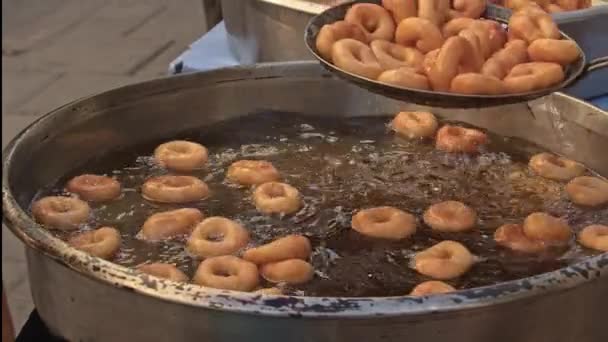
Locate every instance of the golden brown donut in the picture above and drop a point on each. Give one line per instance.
(419, 33)
(494, 68)
(559, 51)
(429, 61)
(485, 32)
(532, 26)
(445, 260)
(401, 9)
(94, 188)
(573, 5)
(288, 247)
(165, 271)
(474, 83)
(455, 52)
(542, 226)
(252, 172)
(468, 8)
(291, 271)
(588, 191)
(227, 272)
(405, 78)
(479, 49)
(512, 236)
(181, 155)
(532, 76)
(385, 223)
(217, 236)
(454, 26)
(103, 242)
(170, 224)
(275, 197)
(491, 33)
(374, 20)
(595, 237)
(174, 189)
(554, 167)
(518, 5)
(459, 139)
(553, 8)
(498, 35)
(500, 64)
(394, 56)
(430, 288)
(530, 7)
(436, 11)
(357, 58)
(450, 216)
(415, 124)
(59, 212)
(331, 33)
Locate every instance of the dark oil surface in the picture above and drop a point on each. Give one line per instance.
(341, 165)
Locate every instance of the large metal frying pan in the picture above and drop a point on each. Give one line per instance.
(437, 98)
(84, 298)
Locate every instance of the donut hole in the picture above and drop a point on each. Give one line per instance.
(275, 191)
(61, 206)
(380, 217)
(264, 166)
(253, 165)
(454, 131)
(587, 184)
(223, 271)
(97, 238)
(370, 24)
(556, 161)
(215, 235)
(179, 149)
(399, 55)
(448, 214)
(527, 72)
(91, 181)
(176, 182)
(414, 117)
(358, 54)
(443, 254)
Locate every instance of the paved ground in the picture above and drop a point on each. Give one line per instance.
(55, 51)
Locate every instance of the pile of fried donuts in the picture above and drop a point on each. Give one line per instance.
(551, 6)
(230, 260)
(430, 45)
(218, 241)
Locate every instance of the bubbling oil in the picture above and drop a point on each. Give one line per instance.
(341, 165)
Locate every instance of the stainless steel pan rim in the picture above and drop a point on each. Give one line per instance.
(38, 238)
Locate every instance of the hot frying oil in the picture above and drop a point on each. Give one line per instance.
(341, 165)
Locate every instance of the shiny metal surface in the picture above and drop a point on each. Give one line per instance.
(83, 298)
(270, 30)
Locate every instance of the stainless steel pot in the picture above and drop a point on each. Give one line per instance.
(270, 30)
(83, 298)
